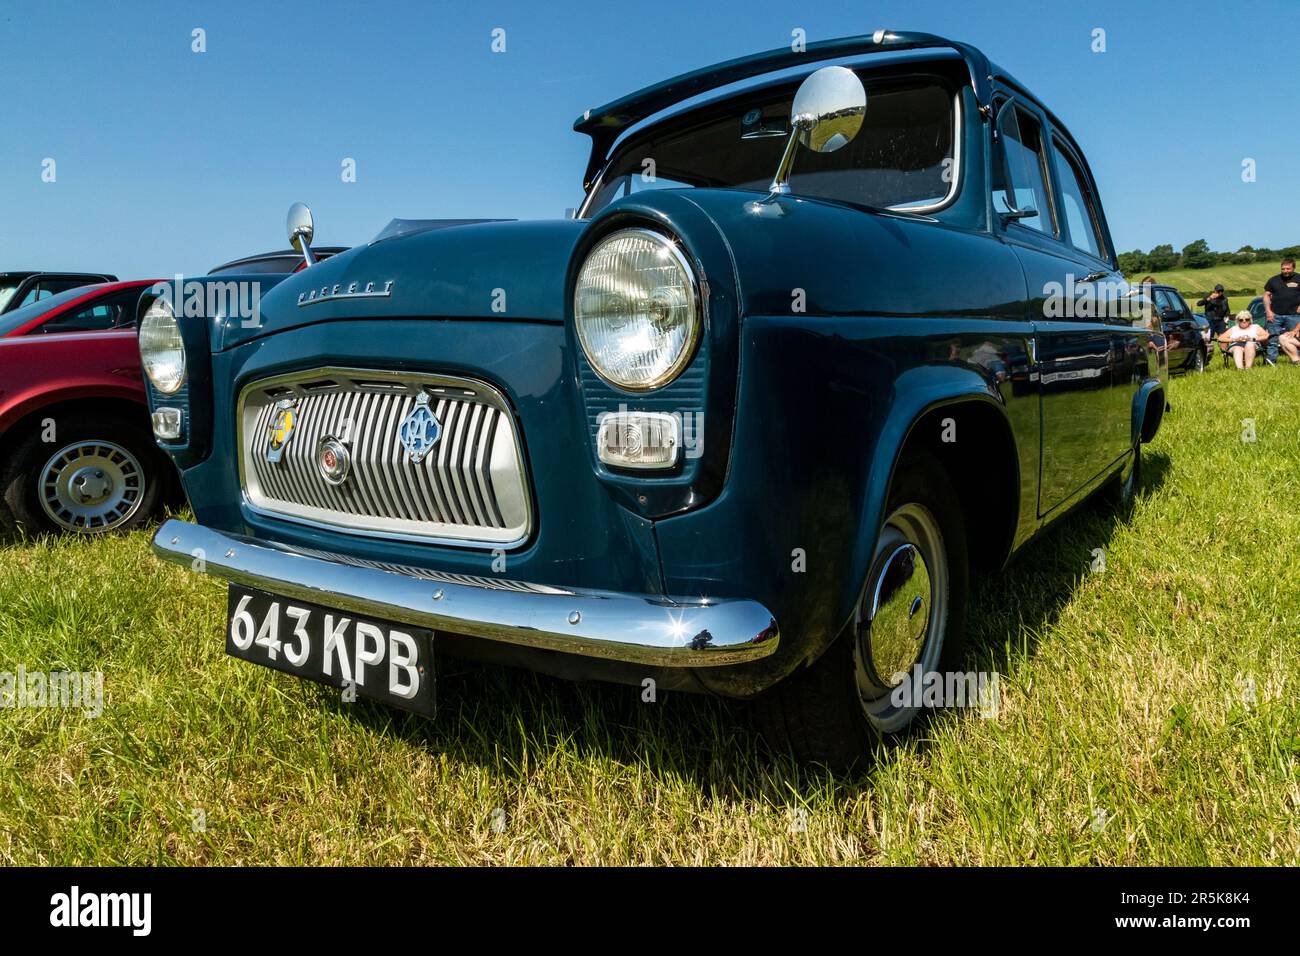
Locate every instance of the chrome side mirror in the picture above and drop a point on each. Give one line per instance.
(826, 114)
(301, 229)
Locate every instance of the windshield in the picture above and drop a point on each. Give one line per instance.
(902, 157)
(19, 317)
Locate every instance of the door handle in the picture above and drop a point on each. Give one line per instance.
(1095, 276)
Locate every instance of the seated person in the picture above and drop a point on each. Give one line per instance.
(1242, 340)
(1290, 342)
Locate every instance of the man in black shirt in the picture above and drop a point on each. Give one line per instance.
(1216, 310)
(1281, 305)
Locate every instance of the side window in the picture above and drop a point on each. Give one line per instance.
(1180, 303)
(1165, 302)
(1076, 204)
(111, 312)
(1025, 173)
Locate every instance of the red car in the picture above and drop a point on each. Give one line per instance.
(76, 449)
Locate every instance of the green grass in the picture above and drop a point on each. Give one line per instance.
(1251, 276)
(1126, 733)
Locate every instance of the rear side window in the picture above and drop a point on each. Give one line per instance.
(1024, 177)
(1076, 204)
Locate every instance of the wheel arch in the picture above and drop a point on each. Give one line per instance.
(115, 406)
(1148, 410)
(930, 409)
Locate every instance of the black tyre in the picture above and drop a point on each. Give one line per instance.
(1122, 491)
(912, 613)
(96, 476)
(1198, 361)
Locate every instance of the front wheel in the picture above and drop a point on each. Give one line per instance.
(95, 476)
(910, 622)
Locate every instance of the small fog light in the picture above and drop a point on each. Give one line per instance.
(639, 439)
(167, 424)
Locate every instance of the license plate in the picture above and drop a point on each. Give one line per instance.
(392, 663)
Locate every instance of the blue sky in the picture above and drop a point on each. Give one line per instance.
(172, 161)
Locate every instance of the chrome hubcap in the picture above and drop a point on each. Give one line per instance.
(91, 486)
(904, 613)
(899, 614)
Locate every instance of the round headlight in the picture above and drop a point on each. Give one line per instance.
(161, 348)
(636, 309)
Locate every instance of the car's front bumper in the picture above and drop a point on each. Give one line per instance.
(634, 628)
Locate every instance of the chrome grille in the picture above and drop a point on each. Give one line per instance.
(470, 488)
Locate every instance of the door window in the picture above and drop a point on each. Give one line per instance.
(110, 312)
(1024, 175)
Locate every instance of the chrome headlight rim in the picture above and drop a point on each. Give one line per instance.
(169, 385)
(674, 246)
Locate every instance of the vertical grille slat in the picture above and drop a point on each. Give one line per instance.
(483, 468)
(361, 431)
(433, 473)
(473, 433)
(446, 463)
(451, 495)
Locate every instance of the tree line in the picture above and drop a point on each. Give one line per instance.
(1198, 255)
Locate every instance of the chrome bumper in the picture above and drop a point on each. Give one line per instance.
(636, 628)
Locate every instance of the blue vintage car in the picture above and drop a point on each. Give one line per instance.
(809, 354)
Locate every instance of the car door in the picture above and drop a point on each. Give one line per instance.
(1081, 360)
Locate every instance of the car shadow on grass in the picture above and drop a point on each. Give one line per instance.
(511, 721)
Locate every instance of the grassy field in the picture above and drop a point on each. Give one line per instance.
(1252, 276)
(1150, 714)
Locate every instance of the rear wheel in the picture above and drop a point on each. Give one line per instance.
(912, 614)
(1123, 488)
(96, 476)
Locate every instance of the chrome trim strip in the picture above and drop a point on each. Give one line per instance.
(636, 628)
(445, 499)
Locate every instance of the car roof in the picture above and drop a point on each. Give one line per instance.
(27, 274)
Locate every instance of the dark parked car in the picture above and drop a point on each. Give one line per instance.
(1258, 312)
(18, 289)
(744, 426)
(1187, 334)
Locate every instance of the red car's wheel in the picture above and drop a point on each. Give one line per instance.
(94, 477)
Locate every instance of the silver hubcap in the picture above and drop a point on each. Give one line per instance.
(91, 486)
(905, 611)
(899, 614)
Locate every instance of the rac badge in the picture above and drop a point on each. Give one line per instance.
(419, 431)
(281, 428)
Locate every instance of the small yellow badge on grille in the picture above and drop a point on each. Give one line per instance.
(281, 429)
